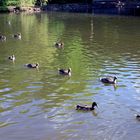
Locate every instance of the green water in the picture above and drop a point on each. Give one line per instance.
(40, 104)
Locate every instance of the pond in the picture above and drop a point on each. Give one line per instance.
(40, 104)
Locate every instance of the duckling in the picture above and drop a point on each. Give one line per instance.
(13, 58)
(17, 36)
(65, 71)
(59, 45)
(2, 38)
(86, 108)
(109, 80)
(138, 117)
(32, 65)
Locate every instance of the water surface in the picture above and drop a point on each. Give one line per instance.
(40, 104)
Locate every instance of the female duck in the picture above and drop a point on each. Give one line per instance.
(2, 38)
(59, 45)
(32, 65)
(65, 71)
(17, 36)
(109, 80)
(13, 58)
(86, 108)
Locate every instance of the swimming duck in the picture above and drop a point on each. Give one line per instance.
(65, 71)
(17, 36)
(13, 58)
(138, 117)
(9, 23)
(59, 45)
(2, 38)
(109, 80)
(86, 108)
(32, 65)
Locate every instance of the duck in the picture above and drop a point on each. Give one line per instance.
(138, 117)
(65, 71)
(86, 108)
(59, 45)
(109, 80)
(32, 65)
(17, 36)
(8, 22)
(2, 38)
(13, 58)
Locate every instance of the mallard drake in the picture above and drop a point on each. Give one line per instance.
(13, 58)
(138, 117)
(65, 71)
(17, 36)
(2, 38)
(86, 108)
(109, 80)
(59, 45)
(32, 65)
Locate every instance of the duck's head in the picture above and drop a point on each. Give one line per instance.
(94, 104)
(69, 70)
(12, 57)
(37, 64)
(115, 78)
(137, 116)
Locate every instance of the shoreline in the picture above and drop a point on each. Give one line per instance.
(98, 7)
(16, 9)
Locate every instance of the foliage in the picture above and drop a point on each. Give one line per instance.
(27, 2)
(12, 2)
(3, 9)
(38, 2)
(41, 2)
(17, 2)
(69, 1)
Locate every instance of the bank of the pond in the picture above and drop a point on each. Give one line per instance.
(15, 9)
(97, 7)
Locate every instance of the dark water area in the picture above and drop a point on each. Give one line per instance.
(109, 7)
(40, 104)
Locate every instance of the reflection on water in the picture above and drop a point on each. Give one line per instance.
(40, 104)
